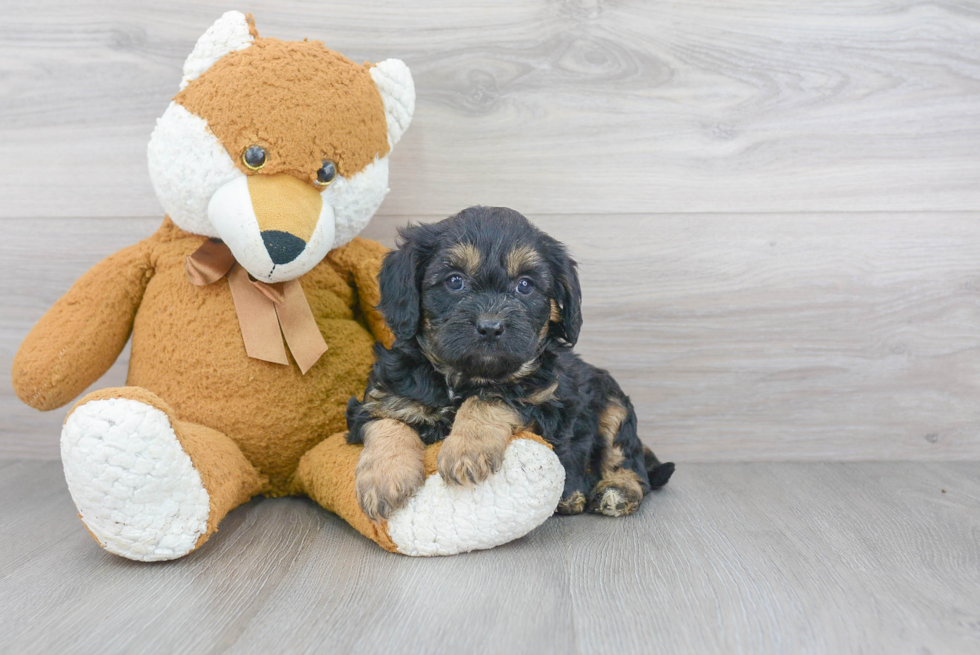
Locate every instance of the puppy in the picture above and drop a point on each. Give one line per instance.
(485, 309)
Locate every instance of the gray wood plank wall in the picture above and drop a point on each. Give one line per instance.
(776, 205)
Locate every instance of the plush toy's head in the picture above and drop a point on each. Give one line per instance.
(279, 148)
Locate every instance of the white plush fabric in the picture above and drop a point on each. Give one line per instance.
(134, 486)
(228, 34)
(136, 489)
(446, 520)
(397, 88)
(355, 200)
(230, 212)
(187, 165)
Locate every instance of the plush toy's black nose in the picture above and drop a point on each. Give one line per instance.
(490, 328)
(283, 247)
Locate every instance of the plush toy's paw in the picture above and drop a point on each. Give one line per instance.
(468, 461)
(444, 519)
(384, 485)
(135, 488)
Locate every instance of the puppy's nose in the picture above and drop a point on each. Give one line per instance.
(490, 328)
(283, 247)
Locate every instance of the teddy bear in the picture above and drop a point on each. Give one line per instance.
(252, 312)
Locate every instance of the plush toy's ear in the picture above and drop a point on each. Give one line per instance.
(400, 279)
(233, 31)
(394, 82)
(567, 292)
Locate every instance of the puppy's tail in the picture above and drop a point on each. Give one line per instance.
(658, 472)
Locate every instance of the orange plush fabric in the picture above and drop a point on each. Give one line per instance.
(68, 350)
(201, 427)
(187, 348)
(229, 478)
(328, 109)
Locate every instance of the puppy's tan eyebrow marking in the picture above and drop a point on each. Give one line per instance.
(465, 257)
(520, 259)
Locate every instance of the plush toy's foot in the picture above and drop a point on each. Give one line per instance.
(446, 519)
(149, 487)
(441, 519)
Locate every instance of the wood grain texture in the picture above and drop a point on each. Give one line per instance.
(573, 106)
(771, 337)
(774, 205)
(735, 558)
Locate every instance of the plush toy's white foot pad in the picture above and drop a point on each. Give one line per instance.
(444, 520)
(135, 488)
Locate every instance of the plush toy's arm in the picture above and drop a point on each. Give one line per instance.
(361, 261)
(79, 338)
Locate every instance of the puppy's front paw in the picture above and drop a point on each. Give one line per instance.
(465, 461)
(384, 485)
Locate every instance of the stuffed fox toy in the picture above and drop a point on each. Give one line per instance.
(252, 315)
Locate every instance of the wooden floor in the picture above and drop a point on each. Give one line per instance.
(734, 558)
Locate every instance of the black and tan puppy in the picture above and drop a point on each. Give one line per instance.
(486, 309)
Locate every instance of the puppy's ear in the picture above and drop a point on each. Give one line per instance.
(567, 293)
(400, 280)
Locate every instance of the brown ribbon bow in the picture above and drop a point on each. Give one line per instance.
(266, 312)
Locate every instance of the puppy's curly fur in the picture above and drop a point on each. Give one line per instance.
(486, 308)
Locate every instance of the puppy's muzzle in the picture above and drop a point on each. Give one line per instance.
(490, 329)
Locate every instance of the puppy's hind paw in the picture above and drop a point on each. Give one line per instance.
(573, 503)
(612, 499)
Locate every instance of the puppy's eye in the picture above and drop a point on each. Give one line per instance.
(455, 282)
(525, 286)
(254, 157)
(327, 173)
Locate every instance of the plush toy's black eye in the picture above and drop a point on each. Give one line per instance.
(254, 157)
(327, 173)
(455, 282)
(525, 286)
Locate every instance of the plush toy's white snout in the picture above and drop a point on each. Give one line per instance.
(277, 227)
